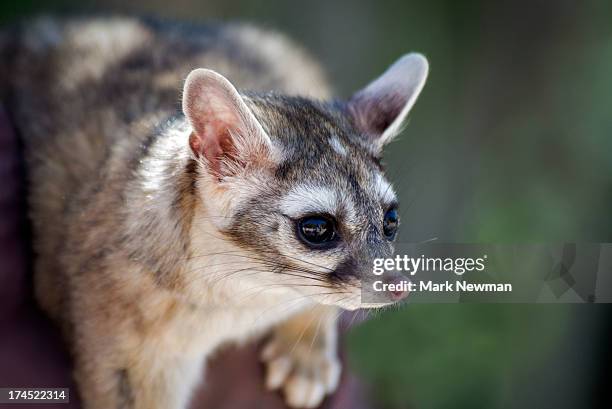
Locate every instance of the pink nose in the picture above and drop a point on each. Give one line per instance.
(399, 293)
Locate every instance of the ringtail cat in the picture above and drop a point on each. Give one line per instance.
(192, 186)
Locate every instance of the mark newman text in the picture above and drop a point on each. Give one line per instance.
(447, 286)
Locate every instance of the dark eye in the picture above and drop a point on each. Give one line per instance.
(317, 231)
(390, 223)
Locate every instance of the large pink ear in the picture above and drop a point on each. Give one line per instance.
(380, 109)
(225, 131)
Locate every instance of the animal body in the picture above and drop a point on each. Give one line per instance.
(192, 186)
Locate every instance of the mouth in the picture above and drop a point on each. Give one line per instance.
(363, 295)
(358, 304)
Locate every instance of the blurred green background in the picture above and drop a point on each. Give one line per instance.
(511, 141)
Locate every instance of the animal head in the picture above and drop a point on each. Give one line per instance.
(297, 185)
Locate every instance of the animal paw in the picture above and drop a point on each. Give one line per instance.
(305, 370)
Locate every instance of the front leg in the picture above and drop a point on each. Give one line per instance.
(144, 382)
(301, 357)
(120, 366)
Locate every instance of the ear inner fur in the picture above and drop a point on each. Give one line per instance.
(225, 132)
(380, 109)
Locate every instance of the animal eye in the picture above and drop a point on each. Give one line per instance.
(317, 231)
(390, 223)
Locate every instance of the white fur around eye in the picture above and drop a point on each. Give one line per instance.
(384, 189)
(305, 199)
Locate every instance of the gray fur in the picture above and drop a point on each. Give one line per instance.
(115, 193)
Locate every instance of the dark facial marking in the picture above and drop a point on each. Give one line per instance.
(344, 271)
